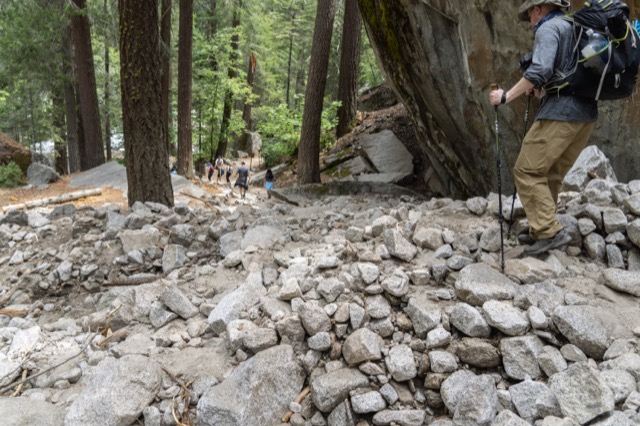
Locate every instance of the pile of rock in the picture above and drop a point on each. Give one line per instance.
(348, 310)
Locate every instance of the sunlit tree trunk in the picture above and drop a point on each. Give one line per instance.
(185, 145)
(146, 154)
(309, 150)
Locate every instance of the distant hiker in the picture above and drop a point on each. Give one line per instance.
(209, 170)
(173, 170)
(562, 126)
(219, 168)
(243, 179)
(268, 182)
(229, 173)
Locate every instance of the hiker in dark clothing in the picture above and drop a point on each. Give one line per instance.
(229, 173)
(268, 182)
(209, 170)
(562, 127)
(243, 179)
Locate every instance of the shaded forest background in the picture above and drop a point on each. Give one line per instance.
(248, 60)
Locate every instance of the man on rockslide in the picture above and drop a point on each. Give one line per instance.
(562, 126)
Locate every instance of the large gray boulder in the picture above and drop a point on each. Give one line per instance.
(257, 392)
(392, 161)
(40, 174)
(591, 162)
(583, 327)
(581, 392)
(116, 392)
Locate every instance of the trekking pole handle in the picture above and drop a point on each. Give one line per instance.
(494, 86)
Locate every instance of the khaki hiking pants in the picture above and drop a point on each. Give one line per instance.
(548, 151)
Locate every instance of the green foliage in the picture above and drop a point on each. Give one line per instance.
(280, 131)
(11, 176)
(328, 124)
(278, 32)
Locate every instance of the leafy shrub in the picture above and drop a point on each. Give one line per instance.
(11, 176)
(280, 130)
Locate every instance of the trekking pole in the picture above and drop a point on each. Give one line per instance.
(499, 165)
(515, 190)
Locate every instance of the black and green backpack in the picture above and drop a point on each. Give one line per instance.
(616, 78)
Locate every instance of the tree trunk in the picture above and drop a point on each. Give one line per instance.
(293, 20)
(185, 144)
(301, 75)
(107, 89)
(223, 139)
(70, 100)
(146, 154)
(57, 100)
(349, 67)
(81, 33)
(165, 50)
(309, 150)
(245, 143)
(251, 76)
(82, 145)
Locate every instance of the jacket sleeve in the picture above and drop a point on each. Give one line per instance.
(545, 50)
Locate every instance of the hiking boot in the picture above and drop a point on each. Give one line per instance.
(543, 246)
(525, 239)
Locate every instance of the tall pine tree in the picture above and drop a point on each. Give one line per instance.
(309, 150)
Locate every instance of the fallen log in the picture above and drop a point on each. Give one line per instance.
(71, 196)
(13, 312)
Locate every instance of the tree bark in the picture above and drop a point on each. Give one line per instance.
(81, 33)
(251, 76)
(349, 67)
(289, 62)
(165, 50)
(107, 89)
(223, 139)
(70, 100)
(309, 150)
(185, 144)
(57, 101)
(245, 143)
(146, 154)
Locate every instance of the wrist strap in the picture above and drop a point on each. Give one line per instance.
(503, 100)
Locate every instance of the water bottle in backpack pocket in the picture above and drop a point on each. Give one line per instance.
(607, 53)
(595, 55)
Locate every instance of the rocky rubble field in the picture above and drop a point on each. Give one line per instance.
(360, 309)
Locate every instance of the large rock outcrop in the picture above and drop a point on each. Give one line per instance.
(11, 150)
(442, 56)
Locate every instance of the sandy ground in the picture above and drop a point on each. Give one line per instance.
(111, 179)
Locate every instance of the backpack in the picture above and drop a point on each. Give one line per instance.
(618, 71)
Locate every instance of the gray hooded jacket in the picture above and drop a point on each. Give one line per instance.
(553, 58)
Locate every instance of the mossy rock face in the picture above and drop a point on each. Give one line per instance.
(11, 150)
